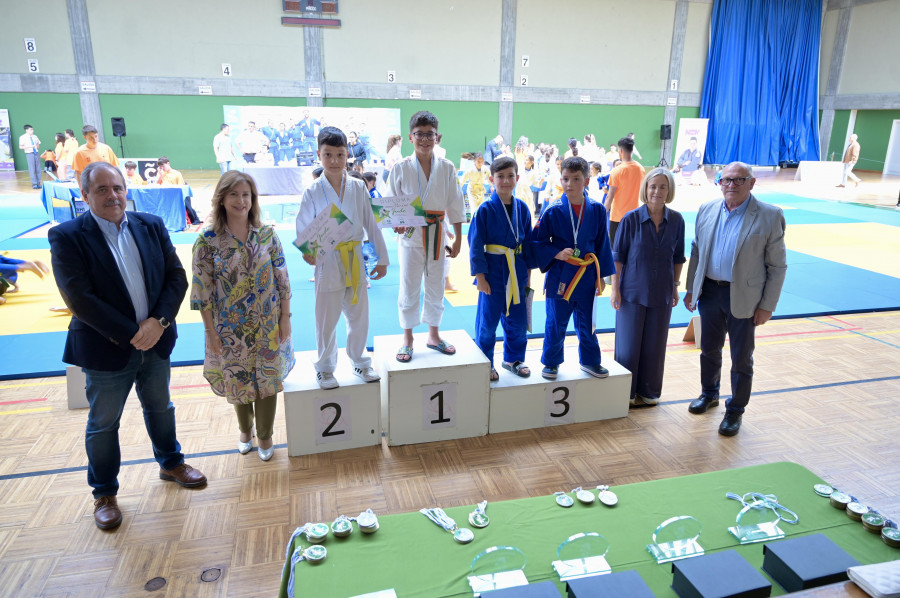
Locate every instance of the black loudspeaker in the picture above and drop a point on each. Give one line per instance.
(665, 132)
(118, 126)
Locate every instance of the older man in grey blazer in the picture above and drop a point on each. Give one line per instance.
(735, 276)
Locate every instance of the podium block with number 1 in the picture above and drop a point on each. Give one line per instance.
(433, 396)
(319, 420)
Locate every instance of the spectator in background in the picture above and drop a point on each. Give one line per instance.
(166, 175)
(251, 142)
(493, 149)
(30, 144)
(132, 178)
(851, 157)
(572, 152)
(223, 149)
(624, 187)
(64, 164)
(474, 181)
(356, 152)
(92, 151)
(635, 151)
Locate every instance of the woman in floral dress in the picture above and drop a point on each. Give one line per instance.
(240, 285)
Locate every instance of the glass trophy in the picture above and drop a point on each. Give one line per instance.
(496, 568)
(757, 522)
(582, 555)
(676, 539)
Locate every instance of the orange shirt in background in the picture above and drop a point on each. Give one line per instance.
(101, 153)
(626, 178)
(173, 177)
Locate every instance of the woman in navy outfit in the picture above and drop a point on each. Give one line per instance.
(649, 255)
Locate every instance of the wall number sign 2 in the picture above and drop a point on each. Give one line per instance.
(560, 405)
(439, 405)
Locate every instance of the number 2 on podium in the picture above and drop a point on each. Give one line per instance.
(439, 406)
(332, 419)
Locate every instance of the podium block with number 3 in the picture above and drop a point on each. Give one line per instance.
(433, 396)
(329, 420)
(533, 402)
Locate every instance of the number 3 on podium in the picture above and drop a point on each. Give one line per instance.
(560, 405)
(439, 406)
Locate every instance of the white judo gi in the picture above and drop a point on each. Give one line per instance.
(333, 295)
(440, 193)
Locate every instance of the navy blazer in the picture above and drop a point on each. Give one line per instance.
(103, 319)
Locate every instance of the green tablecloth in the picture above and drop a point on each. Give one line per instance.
(417, 558)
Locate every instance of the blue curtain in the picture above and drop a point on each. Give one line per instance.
(761, 89)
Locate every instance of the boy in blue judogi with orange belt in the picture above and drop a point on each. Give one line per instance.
(572, 247)
(500, 255)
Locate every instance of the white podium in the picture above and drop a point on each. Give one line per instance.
(433, 396)
(319, 420)
(575, 396)
(76, 382)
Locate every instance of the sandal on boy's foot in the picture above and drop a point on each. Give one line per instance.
(494, 375)
(404, 351)
(443, 347)
(597, 371)
(549, 372)
(517, 368)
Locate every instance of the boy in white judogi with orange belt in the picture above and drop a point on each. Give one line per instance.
(341, 276)
(421, 251)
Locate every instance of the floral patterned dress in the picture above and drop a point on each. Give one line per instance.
(243, 286)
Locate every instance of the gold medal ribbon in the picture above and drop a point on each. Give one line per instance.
(347, 251)
(512, 282)
(582, 266)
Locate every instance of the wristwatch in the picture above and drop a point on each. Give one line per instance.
(165, 323)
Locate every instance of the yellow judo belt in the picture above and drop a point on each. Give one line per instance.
(512, 282)
(347, 251)
(582, 266)
(433, 218)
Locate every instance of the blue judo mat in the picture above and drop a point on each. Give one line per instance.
(813, 287)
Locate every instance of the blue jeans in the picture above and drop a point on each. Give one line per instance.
(715, 321)
(106, 394)
(225, 166)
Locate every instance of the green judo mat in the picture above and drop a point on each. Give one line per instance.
(417, 558)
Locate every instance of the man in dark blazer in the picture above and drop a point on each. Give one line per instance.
(736, 272)
(121, 279)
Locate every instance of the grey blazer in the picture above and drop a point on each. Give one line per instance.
(759, 267)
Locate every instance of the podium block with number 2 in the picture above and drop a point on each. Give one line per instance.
(433, 396)
(329, 420)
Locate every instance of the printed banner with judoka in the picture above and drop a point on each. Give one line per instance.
(6, 158)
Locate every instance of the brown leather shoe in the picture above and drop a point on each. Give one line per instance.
(106, 512)
(184, 475)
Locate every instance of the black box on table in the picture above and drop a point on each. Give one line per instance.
(719, 575)
(623, 583)
(807, 562)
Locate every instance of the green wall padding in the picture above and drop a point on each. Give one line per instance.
(555, 123)
(180, 127)
(466, 126)
(838, 132)
(874, 130)
(48, 113)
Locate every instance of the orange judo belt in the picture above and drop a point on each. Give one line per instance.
(432, 218)
(582, 266)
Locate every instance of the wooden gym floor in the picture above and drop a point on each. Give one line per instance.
(825, 396)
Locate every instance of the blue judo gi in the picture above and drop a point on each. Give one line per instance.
(553, 234)
(490, 227)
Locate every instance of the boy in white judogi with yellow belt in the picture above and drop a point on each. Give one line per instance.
(421, 251)
(341, 276)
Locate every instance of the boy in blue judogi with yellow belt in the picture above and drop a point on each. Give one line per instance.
(572, 247)
(500, 255)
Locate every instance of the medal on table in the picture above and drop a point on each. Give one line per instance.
(462, 535)
(478, 517)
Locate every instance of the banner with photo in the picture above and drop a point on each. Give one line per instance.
(289, 132)
(690, 146)
(6, 149)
